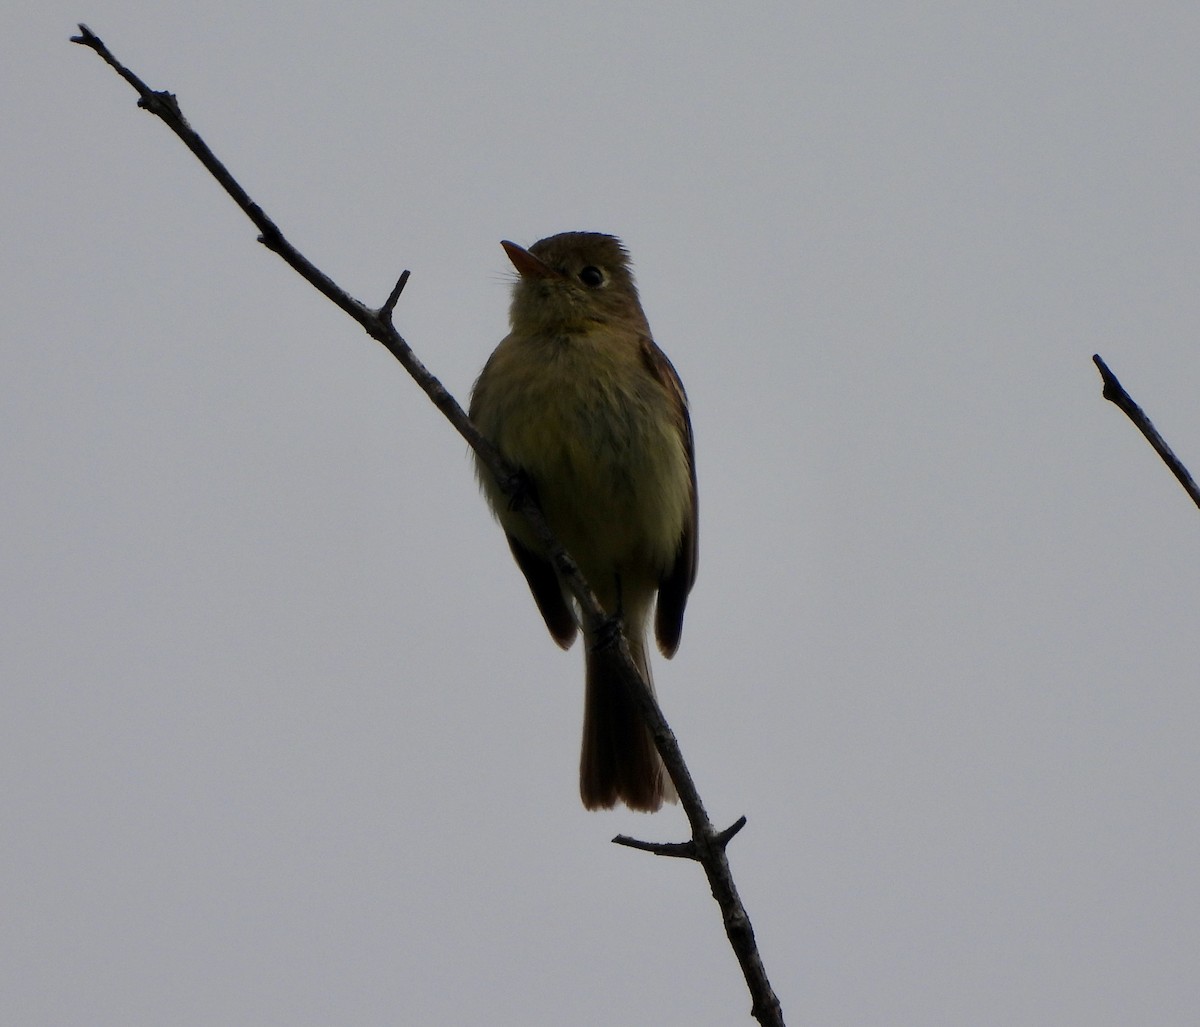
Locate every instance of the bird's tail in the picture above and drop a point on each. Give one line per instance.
(619, 762)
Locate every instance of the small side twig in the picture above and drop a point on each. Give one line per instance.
(707, 846)
(389, 305)
(1115, 392)
(680, 850)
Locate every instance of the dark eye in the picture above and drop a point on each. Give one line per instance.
(591, 276)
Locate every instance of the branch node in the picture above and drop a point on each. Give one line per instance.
(272, 240)
(726, 836)
(162, 104)
(681, 850)
(86, 36)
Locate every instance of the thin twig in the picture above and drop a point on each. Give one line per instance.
(389, 304)
(708, 847)
(680, 850)
(1115, 392)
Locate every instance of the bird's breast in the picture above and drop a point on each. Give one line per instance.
(598, 436)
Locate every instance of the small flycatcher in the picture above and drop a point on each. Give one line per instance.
(582, 402)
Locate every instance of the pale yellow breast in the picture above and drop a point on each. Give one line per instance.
(597, 434)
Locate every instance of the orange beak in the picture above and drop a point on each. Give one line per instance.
(527, 265)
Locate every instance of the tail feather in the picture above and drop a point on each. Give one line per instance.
(619, 762)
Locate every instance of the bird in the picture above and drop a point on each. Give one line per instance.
(590, 413)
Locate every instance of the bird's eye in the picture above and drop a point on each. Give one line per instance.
(591, 276)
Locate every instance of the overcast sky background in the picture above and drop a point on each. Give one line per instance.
(283, 739)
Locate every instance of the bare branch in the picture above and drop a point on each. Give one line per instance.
(1115, 392)
(706, 845)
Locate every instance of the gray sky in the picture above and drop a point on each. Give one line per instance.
(283, 739)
